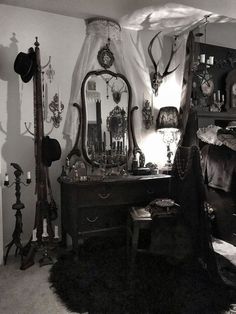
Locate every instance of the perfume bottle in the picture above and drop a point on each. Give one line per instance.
(67, 167)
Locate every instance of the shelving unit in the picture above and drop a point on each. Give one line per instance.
(222, 119)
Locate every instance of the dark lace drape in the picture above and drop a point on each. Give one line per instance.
(187, 189)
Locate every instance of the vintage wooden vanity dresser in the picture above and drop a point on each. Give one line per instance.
(97, 207)
(116, 178)
(107, 146)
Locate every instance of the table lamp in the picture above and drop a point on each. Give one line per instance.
(167, 123)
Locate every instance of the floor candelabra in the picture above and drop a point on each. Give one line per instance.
(18, 206)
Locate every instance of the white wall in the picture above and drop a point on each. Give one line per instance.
(61, 38)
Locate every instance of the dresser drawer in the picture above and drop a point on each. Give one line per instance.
(112, 194)
(98, 218)
(93, 206)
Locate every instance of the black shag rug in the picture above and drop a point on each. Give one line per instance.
(98, 284)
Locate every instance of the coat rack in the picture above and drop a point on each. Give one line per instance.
(45, 205)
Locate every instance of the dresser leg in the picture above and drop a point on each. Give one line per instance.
(135, 238)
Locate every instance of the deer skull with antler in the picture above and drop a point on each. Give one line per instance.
(156, 76)
(116, 94)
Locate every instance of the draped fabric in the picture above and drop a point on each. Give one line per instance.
(187, 233)
(127, 48)
(186, 86)
(129, 61)
(188, 191)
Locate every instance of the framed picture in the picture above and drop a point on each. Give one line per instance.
(91, 85)
(231, 91)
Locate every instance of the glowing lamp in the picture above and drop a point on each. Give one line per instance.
(167, 123)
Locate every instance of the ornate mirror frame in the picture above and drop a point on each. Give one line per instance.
(84, 122)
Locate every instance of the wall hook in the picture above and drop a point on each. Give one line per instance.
(49, 60)
(28, 128)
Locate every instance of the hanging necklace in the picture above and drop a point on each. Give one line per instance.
(105, 56)
(107, 80)
(183, 164)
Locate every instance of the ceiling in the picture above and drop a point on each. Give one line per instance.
(140, 14)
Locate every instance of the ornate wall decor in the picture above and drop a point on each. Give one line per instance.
(56, 107)
(156, 76)
(117, 92)
(117, 123)
(50, 72)
(210, 91)
(105, 56)
(147, 114)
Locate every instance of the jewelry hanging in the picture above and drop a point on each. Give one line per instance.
(183, 165)
(105, 56)
(50, 73)
(107, 80)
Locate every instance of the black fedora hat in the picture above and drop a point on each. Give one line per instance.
(51, 150)
(25, 65)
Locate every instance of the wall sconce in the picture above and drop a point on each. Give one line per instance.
(167, 124)
(147, 114)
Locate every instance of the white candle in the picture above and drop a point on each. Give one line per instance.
(34, 235)
(211, 60)
(202, 58)
(6, 178)
(214, 96)
(223, 97)
(56, 235)
(218, 95)
(28, 175)
(45, 231)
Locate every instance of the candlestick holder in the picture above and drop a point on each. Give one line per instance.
(18, 206)
(217, 106)
(46, 258)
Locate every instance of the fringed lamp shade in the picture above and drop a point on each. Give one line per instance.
(167, 123)
(167, 118)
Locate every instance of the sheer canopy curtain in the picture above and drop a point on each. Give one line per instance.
(129, 61)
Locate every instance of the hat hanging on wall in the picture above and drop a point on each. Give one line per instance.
(25, 65)
(51, 150)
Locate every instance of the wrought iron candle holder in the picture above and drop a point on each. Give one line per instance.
(18, 206)
(45, 246)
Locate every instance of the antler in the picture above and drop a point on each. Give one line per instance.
(157, 77)
(150, 52)
(166, 71)
(121, 90)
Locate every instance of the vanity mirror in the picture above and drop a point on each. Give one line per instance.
(106, 139)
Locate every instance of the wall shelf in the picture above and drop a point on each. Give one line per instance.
(222, 119)
(217, 115)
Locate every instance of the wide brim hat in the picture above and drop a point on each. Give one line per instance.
(51, 150)
(231, 125)
(25, 65)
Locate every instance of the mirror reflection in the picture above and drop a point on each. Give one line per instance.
(106, 103)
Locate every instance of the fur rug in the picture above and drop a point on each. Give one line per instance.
(98, 283)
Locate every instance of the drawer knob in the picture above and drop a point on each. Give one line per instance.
(104, 195)
(92, 220)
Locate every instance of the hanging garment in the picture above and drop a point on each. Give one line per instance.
(188, 233)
